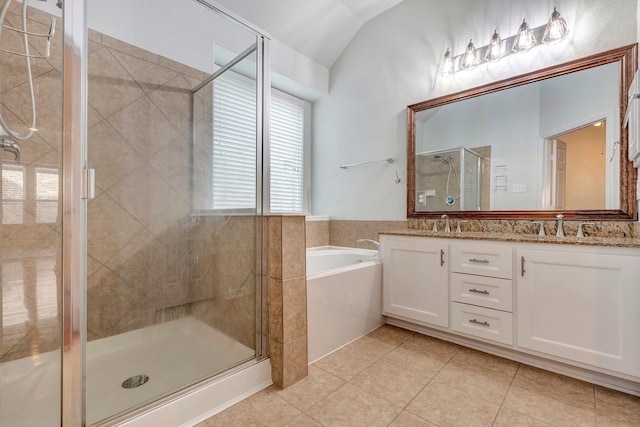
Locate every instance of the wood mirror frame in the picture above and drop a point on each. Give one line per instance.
(628, 209)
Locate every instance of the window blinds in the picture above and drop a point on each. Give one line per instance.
(234, 147)
(287, 149)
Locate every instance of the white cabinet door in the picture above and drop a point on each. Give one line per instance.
(415, 279)
(580, 306)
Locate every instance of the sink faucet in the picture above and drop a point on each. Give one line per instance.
(560, 232)
(447, 227)
(373, 242)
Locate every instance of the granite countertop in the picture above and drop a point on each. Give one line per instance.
(620, 242)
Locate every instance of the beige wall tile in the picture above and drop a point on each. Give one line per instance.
(110, 155)
(147, 140)
(274, 263)
(173, 98)
(147, 74)
(345, 233)
(127, 48)
(110, 88)
(276, 310)
(181, 68)
(276, 354)
(109, 228)
(293, 247)
(294, 305)
(317, 233)
(295, 361)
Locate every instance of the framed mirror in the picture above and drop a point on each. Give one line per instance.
(529, 147)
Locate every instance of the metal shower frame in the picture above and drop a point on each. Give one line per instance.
(76, 177)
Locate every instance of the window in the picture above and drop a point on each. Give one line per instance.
(13, 194)
(234, 143)
(287, 153)
(234, 152)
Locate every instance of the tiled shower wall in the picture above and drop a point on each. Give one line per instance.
(149, 259)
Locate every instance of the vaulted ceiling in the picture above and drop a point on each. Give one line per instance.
(318, 29)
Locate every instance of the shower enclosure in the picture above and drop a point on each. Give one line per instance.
(132, 220)
(449, 180)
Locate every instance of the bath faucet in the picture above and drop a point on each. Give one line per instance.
(447, 226)
(373, 242)
(560, 232)
(11, 146)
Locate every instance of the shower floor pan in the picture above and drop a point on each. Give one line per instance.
(171, 355)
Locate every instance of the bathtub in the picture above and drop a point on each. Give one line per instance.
(344, 297)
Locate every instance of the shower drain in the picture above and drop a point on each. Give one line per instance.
(135, 381)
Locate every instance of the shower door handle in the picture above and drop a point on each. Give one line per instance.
(89, 184)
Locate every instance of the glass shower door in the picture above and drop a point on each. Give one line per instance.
(173, 260)
(31, 238)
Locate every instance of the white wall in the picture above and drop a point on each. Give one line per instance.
(187, 32)
(392, 62)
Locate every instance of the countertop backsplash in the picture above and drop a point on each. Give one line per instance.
(601, 229)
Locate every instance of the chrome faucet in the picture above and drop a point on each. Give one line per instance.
(560, 232)
(11, 146)
(447, 226)
(373, 242)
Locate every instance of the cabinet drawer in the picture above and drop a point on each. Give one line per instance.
(483, 260)
(488, 292)
(482, 322)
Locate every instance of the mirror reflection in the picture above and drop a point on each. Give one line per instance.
(540, 146)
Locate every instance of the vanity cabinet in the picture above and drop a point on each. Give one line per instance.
(416, 279)
(569, 305)
(581, 306)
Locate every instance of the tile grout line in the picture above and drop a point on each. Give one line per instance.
(426, 385)
(506, 394)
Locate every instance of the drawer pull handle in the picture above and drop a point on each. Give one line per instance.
(441, 257)
(522, 266)
(479, 292)
(481, 261)
(477, 322)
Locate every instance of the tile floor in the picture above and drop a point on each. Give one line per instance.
(394, 377)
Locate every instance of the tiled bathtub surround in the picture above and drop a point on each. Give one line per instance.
(317, 232)
(346, 233)
(287, 283)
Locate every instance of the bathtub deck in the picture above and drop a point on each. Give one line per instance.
(172, 354)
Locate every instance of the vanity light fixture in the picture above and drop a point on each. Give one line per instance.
(495, 50)
(525, 39)
(470, 58)
(447, 64)
(556, 28)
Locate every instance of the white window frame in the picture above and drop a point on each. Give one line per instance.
(306, 164)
